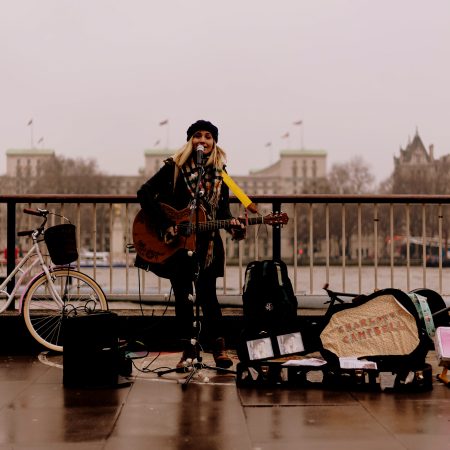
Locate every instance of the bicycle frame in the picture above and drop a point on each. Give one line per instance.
(54, 292)
(34, 251)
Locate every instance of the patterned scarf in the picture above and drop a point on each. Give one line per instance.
(211, 184)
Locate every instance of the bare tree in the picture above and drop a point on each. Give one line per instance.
(352, 177)
(69, 176)
(76, 176)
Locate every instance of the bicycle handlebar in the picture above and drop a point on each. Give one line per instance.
(41, 213)
(36, 212)
(25, 233)
(336, 294)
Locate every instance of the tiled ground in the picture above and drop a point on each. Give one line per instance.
(37, 412)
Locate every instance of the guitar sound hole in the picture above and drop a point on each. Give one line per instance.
(185, 229)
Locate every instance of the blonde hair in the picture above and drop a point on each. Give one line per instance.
(217, 158)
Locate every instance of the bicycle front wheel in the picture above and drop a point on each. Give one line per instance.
(43, 312)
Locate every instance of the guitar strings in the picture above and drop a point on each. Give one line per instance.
(213, 224)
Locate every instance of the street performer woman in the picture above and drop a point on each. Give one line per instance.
(175, 184)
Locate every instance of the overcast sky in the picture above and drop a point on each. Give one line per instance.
(98, 76)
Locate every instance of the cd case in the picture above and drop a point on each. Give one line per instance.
(442, 345)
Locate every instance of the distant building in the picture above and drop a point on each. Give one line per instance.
(24, 166)
(27, 162)
(154, 160)
(418, 171)
(415, 157)
(295, 170)
(289, 175)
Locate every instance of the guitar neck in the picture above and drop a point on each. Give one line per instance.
(218, 224)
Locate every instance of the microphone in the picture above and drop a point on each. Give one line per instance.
(200, 150)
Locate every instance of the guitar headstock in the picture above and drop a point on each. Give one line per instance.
(280, 218)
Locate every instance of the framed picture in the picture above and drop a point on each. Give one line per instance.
(260, 348)
(290, 343)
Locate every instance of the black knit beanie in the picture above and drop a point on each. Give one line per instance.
(203, 125)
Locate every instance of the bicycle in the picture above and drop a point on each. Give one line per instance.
(58, 290)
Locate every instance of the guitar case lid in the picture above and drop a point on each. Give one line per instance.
(382, 327)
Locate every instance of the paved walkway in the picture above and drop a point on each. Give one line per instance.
(37, 412)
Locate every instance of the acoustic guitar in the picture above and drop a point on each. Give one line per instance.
(151, 247)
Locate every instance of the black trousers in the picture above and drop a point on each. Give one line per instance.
(183, 283)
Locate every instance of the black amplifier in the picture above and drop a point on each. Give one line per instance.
(91, 353)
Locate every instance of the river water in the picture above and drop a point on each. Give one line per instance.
(306, 282)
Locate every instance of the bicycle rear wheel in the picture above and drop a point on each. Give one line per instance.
(43, 312)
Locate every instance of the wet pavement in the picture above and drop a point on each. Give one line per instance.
(211, 412)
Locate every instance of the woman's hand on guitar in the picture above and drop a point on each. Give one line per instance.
(238, 229)
(170, 235)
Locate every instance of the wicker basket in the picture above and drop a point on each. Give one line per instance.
(61, 243)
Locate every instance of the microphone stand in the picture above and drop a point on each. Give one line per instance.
(197, 363)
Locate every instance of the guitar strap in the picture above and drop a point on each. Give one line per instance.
(239, 193)
(423, 309)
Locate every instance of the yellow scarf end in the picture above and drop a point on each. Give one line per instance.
(239, 193)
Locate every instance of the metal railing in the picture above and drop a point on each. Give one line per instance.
(354, 243)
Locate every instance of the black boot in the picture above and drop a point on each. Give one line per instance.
(220, 355)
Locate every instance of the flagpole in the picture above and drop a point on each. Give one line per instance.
(167, 135)
(269, 146)
(300, 124)
(288, 137)
(166, 124)
(301, 135)
(30, 124)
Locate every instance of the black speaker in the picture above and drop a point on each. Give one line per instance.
(91, 353)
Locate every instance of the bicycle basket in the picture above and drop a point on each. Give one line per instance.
(61, 243)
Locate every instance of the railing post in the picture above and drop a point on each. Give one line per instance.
(11, 244)
(276, 233)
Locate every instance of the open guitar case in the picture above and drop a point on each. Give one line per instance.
(393, 369)
(378, 343)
